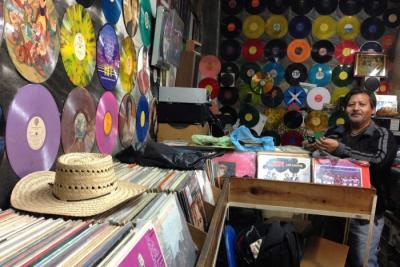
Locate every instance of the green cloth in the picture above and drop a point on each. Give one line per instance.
(208, 140)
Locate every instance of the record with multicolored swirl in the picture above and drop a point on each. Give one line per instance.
(128, 65)
(78, 45)
(131, 16)
(106, 123)
(107, 57)
(127, 120)
(32, 37)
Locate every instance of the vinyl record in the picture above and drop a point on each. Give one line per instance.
(232, 7)
(274, 117)
(278, 6)
(85, 3)
(253, 27)
(325, 7)
(32, 130)
(295, 95)
(128, 65)
(320, 74)
(78, 45)
(252, 50)
(371, 84)
(291, 138)
(143, 74)
(322, 51)
(345, 51)
(384, 88)
(276, 26)
(391, 17)
(302, 7)
(142, 118)
(342, 75)
(231, 27)
(276, 70)
(298, 50)
(372, 28)
(348, 27)
(145, 26)
(300, 27)
(228, 95)
(2, 134)
(316, 121)
(338, 93)
(350, 7)
(230, 50)
(261, 82)
(317, 97)
(227, 79)
(375, 7)
(337, 118)
(273, 98)
(255, 6)
(1, 25)
(131, 10)
(127, 120)
(324, 27)
(371, 47)
(230, 67)
(275, 49)
(247, 96)
(275, 136)
(296, 73)
(230, 114)
(111, 10)
(293, 119)
(209, 66)
(211, 85)
(106, 123)
(388, 41)
(33, 46)
(249, 116)
(248, 70)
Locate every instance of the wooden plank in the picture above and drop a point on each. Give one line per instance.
(198, 236)
(216, 192)
(210, 209)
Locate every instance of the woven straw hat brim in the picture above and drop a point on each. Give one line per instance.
(33, 193)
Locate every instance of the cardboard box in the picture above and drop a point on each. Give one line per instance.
(320, 252)
(181, 132)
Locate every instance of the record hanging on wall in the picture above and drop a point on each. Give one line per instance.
(278, 6)
(276, 26)
(128, 65)
(232, 7)
(2, 134)
(230, 49)
(302, 7)
(320, 74)
(261, 82)
(145, 24)
(371, 47)
(252, 50)
(317, 97)
(300, 27)
(375, 8)
(230, 67)
(322, 51)
(228, 95)
(249, 116)
(127, 120)
(350, 7)
(298, 50)
(275, 49)
(273, 98)
(143, 74)
(316, 121)
(295, 95)
(255, 6)
(34, 56)
(111, 10)
(345, 51)
(230, 114)
(342, 75)
(85, 3)
(247, 71)
(372, 28)
(274, 117)
(209, 66)
(231, 27)
(325, 7)
(131, 16)
(293, 119)
(338, 93)
(276, 70)
(348, 27)
(253, 27)
(33, 130)
(211, 85)
(324, 27)
(391, 17)
(142, 118)
(296, 73)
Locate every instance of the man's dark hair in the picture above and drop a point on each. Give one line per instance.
(356, 91)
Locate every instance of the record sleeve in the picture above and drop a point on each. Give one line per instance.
(131, 12)
(236, 164)
(127, 120)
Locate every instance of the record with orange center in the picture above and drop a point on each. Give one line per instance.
(128, 65)
(384, 88)
(324, 27)
(316, 121)
(338, 93)
(131, 10)
(253, 50)
(231, 27)
(211, 85)
(291, 138)
(388, 40)
(209, 66)
(253, 27)
(261, 83)
(274, 117)
(298, 50)
(127, 120)
(345, 51)
(276, 26)
(348, 27)
(255, 6)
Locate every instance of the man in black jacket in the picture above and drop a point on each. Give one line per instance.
(362, 139)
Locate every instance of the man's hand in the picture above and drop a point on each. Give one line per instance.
(327, 144)
(309, 146)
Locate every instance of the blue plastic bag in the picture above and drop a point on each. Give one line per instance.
(243, 140)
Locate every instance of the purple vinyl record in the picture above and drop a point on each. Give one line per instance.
(33, 130)
(107, 57)
(107, 123)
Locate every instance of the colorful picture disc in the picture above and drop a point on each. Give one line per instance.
(111, 10)
(342, 75)
(107, 57)
(85, 3)
(78, 45)
(142, 118)
(127, 120)
(322, 51)
(252, 50)
(276, 70)
(261, 82)
(320, 74)
(274, 117)
(143, 74)
(33, 130)
(316, 121)
(345, 51)
(253, 27)
(324, 27)
(145, 22)
(131, 16)
(273, 98)
(231, 27)
(78, 122)
(276, 26)
(32, 38)
(128, 65)
(348, 27)
(275, 49)
(106, 123)
(298, 50)
(300, 27)
(2, 134)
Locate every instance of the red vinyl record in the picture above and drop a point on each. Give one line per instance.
(387, 41)
(345, 51)
(211, 85)
(253, 50)
(384, 88)
(292, 138)
(127, 120)
(209, 66)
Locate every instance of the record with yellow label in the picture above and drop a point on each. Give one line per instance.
(142, 118)
(342, 75)
(128, 65)
(249, 116)
(253, 50)
(337, 118)
(324, 27)
(253, 26)
(316, 121)
(211, 85)
(276, 26)
(345, 51)
(298, 50)
(131, 12)
(348, 27)
(338, 93)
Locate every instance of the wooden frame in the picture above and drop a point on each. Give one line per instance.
(370, 64)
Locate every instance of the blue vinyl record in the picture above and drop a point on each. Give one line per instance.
(320, 74)
(276, 70)
(112, 10)
(300, 27)
(142, 118)
(295, 95)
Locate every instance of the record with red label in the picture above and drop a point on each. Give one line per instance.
(78, 122)
(293, 119)
(292, 138)
(228, 95)
(391, 17)
(232, 7)
(317, 97)
(209, 66)
(375, 7)
(372, 28)
(247, 71)
(275, 49)
(273, 98)
(325, 7)
(316, 121)
(342, 75)
(249, 116)
(32, 130)
(350, 7)
(295, 95)
(211, 85)
(252, 50)
(106, 123)
(296, 73)
(300, 27)
(230, 50)
(302, 7)
(298, 50)
(278, 6)
(255, 6)
(345, 51)
(322, 51)
(127, 120)
(231, 27)
(384, 88)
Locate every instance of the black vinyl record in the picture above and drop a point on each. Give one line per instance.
(249, 116)
(350, 7)
(273, 98)
(85, 3)
(300, 27)
(230, 114)
(372, 28)
(275, 136)
(231, 26)
(230, 67)
(371, 83)
(293, 119)
(232, 7)
(248, 70)
(230, 50)
(325, 7)
(275, 49)
(296, 73)
(391, 17)
(278, 6)
(375, 7)
(255, 6)
(322, 51)
(342, 75)
(302, 7)
(228, 95)
(227, 79)
(371, 47)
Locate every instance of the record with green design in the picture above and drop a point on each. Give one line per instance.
(145, 22)
(246, 95)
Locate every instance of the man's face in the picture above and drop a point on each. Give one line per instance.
(359, 109)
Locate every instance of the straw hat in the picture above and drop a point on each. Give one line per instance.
(84, 184)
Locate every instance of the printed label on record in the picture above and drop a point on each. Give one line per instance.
(80, 124)
(107, 123)
(79, 46)
(36, 133)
